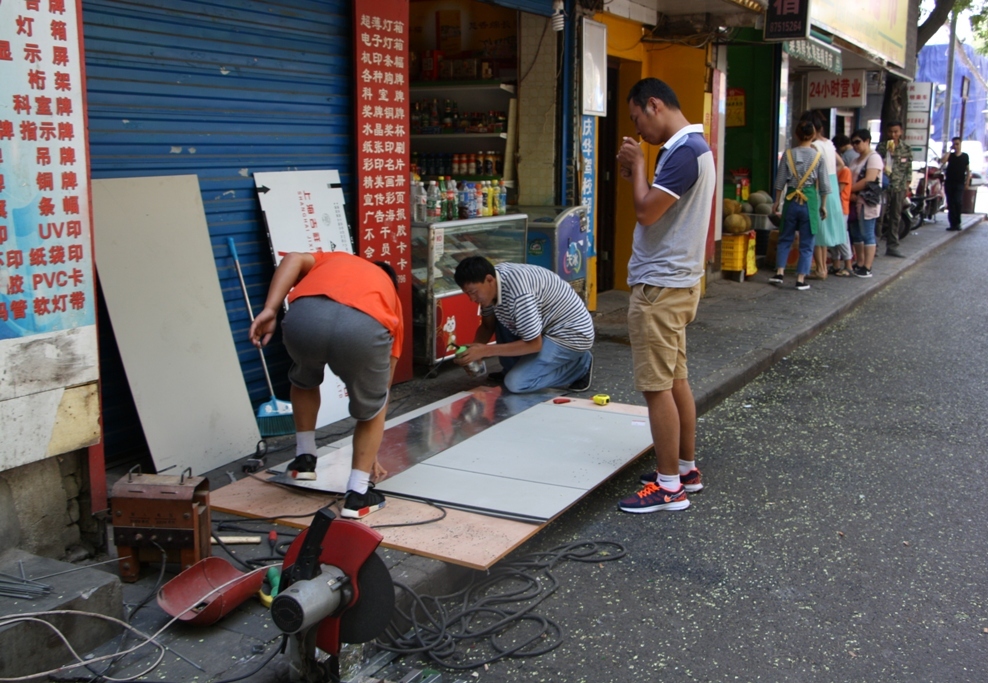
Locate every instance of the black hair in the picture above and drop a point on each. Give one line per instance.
(814, 117)
(892, 124)
(473, 269)
(862, 133)
(386, 267)
(840, 140)
(647, 88)
(956, 137)
(805, 130)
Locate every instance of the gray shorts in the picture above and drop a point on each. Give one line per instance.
(318, 331)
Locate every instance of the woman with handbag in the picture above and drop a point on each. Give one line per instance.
(866, 201)
(833, 229)
(801, 170)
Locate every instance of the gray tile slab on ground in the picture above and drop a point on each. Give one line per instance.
(740, 330)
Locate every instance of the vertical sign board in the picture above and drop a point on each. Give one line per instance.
(303, 211)
(383, 211)
(919, 108)
(588, 188)
(48, 353)
(787, 20)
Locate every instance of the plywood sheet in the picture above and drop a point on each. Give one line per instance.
(463, 538)
(155, 263)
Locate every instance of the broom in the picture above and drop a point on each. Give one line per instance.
(274, 417)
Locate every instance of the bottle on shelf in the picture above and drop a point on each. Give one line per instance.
(478, 168)
(478, 202)
(502, 191)
(488, 163)
(452, 212)
(433, 203)
(418, 203)
(495, 200)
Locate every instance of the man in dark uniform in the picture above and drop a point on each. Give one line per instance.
(958, 177)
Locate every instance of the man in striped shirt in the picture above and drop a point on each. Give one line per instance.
(543, 330)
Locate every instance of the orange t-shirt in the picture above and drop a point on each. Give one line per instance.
(844, 180)
(359, 284)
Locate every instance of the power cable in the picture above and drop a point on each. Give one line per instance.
(490, 610)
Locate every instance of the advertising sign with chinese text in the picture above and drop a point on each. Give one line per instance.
(787, 20)
(588, 186)
(383, 207)
(878, 26)
(46, 260)
(735, 108)
(825, 90)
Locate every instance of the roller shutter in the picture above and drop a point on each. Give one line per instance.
(222, 90)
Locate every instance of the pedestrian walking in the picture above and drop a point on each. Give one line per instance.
(667, 261)
(801, 171)
(958, 178)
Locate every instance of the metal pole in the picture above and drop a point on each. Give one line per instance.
(950, 83)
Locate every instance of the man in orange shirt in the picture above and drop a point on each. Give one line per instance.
(343, 312)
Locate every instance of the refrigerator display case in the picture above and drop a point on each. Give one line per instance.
(443, 317)
(559, 239)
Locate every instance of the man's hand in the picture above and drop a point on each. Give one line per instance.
(629, 157)
(474, 352)
(377, 472)
(263, 327)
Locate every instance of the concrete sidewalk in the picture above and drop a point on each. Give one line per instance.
(740, 331)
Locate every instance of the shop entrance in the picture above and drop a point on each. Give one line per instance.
(606, 183)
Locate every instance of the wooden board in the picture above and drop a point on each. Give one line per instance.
(463, 538)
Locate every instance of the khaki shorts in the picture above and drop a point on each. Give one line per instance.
(657, 320)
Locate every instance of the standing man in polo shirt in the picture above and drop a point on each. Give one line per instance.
(667, 262)
(543, 330)
(344, 312)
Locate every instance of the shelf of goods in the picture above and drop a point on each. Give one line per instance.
(478, 121)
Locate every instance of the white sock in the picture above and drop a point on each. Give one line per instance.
(670, 482)
(305, 442)
(359, 481)
(686, 466)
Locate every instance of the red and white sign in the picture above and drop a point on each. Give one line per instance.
(383, 190)
(920, 97)
(46, 271)
(825, 90)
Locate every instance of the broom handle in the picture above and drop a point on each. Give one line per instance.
(250, 312)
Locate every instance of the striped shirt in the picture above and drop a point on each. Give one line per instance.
(802, 157)
(533, 301)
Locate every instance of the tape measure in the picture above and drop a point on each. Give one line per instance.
(602, 399)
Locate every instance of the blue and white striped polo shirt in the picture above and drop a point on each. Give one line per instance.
(533, 301)
(670, 251)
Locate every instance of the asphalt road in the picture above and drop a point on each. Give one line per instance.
(841, 535)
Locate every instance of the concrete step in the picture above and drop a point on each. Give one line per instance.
(30, 647)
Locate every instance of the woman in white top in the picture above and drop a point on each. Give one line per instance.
(866, 168)
(833, 229)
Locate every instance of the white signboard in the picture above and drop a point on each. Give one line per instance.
(304, 212)
(920, 97)
(825, 90)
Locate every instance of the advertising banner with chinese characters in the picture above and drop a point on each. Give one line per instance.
(787, 19)
(47, 302)
(878, 26)
(588, 188)
(848, 91)
(918, 114)
(383, 192)
(735, 109)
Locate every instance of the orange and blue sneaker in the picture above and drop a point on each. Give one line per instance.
(653, 498)
(692, 480)
(359, 505)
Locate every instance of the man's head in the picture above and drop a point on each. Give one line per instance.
(477, 278)
(653, 106)
(955, 143)
(894, 130)
(841, 142)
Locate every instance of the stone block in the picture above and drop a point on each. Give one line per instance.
(27, 648)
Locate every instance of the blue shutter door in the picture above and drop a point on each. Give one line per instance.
(221, 90)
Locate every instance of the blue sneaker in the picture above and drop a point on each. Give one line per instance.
(692, 481)
(653, 498)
